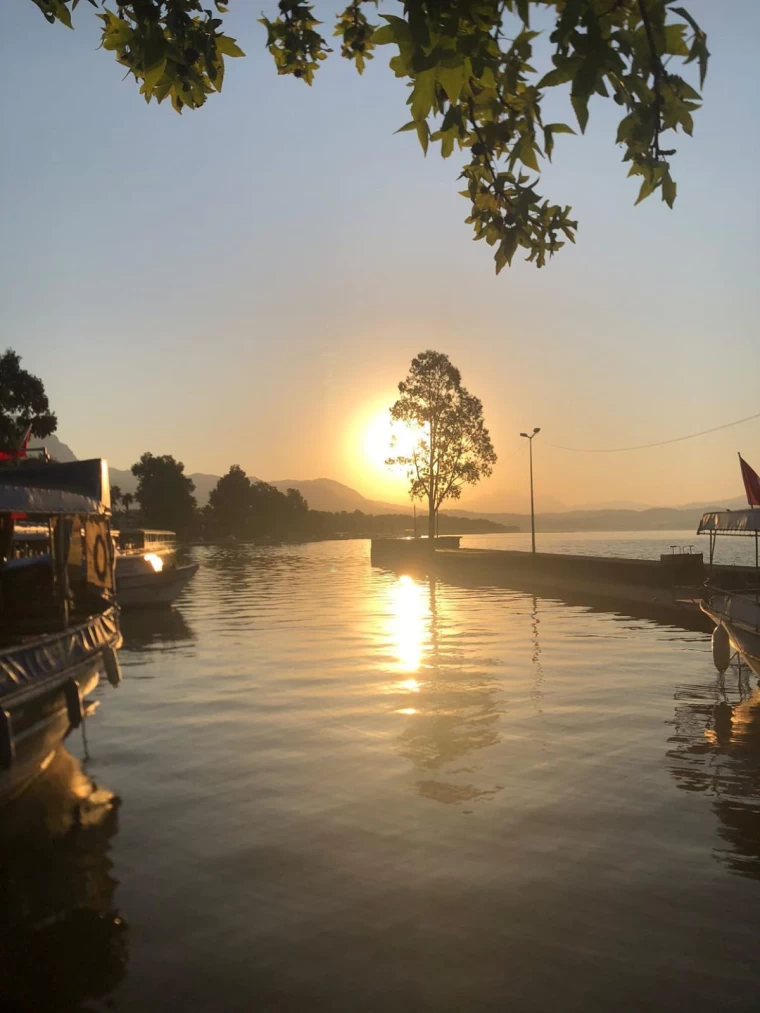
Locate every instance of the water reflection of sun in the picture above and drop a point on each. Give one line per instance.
(408, 628)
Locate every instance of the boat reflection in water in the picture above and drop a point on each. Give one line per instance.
(449, 710)
(62, 942)
(716, 751)
(146, 630)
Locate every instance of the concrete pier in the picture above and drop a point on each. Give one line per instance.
(665, 588)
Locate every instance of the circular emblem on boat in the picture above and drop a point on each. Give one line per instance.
(100, 557)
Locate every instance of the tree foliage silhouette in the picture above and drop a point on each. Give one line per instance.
(469, 66)
(165, 493)
(452, 446)
(23, 403)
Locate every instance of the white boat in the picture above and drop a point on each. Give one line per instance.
(147, 574)
(59, 625)
(735, 611)
(739, 616)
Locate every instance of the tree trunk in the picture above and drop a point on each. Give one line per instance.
(431, 518)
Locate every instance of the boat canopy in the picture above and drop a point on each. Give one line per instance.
(73, 487)
(46, 502)
(730, 522)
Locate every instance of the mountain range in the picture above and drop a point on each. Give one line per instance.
(327, 494)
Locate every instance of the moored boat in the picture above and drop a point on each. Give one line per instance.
(735, 611)
(59, 627)
(147, 574)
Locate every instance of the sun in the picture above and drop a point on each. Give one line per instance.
(384, 438)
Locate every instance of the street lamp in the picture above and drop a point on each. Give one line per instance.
(532, 513)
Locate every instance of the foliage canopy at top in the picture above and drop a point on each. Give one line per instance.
(23, 403)
(472, 86)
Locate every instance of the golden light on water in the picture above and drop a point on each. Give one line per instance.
(155, 561)
(409, 628)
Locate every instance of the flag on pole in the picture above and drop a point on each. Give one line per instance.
(20, 450)
(751, 483)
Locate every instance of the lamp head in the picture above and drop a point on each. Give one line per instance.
(536, 431)
(525, 435)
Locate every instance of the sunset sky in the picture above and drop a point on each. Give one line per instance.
(247, 283)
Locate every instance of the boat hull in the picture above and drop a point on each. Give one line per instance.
(153, 589)
(43, 686)
(739, 616)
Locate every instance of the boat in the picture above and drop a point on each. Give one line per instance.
(734, 611)
(59, 626)
(147, 574)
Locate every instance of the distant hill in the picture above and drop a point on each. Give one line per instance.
(127, 482)
(57, 450)
(329, 495)
(653, 519)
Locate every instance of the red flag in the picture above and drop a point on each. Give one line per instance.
(20, 451)
(751, 483)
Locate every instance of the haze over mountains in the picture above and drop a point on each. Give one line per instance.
(327, 494)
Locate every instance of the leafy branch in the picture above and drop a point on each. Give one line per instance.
(472, 85)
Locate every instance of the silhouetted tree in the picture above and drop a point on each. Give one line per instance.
(453, 447)
(165, 493)
(23, 403)
(474, 86)
(296, 504)
(116, 496)
(127, 499)
(230, 505)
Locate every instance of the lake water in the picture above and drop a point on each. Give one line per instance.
(324, 787)
(632, 544)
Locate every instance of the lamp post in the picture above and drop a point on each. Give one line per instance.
(532, 512)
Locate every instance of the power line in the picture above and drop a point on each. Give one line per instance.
(646, 446)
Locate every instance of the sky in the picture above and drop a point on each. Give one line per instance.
(247, 283)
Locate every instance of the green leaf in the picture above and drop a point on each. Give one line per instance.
(452, 81)
(383, 36)
(63, 14)
(399, 27)
(683, 13)
(675, 44)
(668, 190)
(560, 128)
(565, 72)
(699, 49)
(548, 143)
(423, 134)
(228, 46)
(649, 184)
(523, 11)
(423, 94)
(626, 127)
(153, 75)
(580, 105)
(527, 154)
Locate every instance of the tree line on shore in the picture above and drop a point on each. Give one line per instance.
(246, 509)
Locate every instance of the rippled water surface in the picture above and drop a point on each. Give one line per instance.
(730, 549)
(341, 789)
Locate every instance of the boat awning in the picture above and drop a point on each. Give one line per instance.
(87, 479)
(730, 522)
(33, 502)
